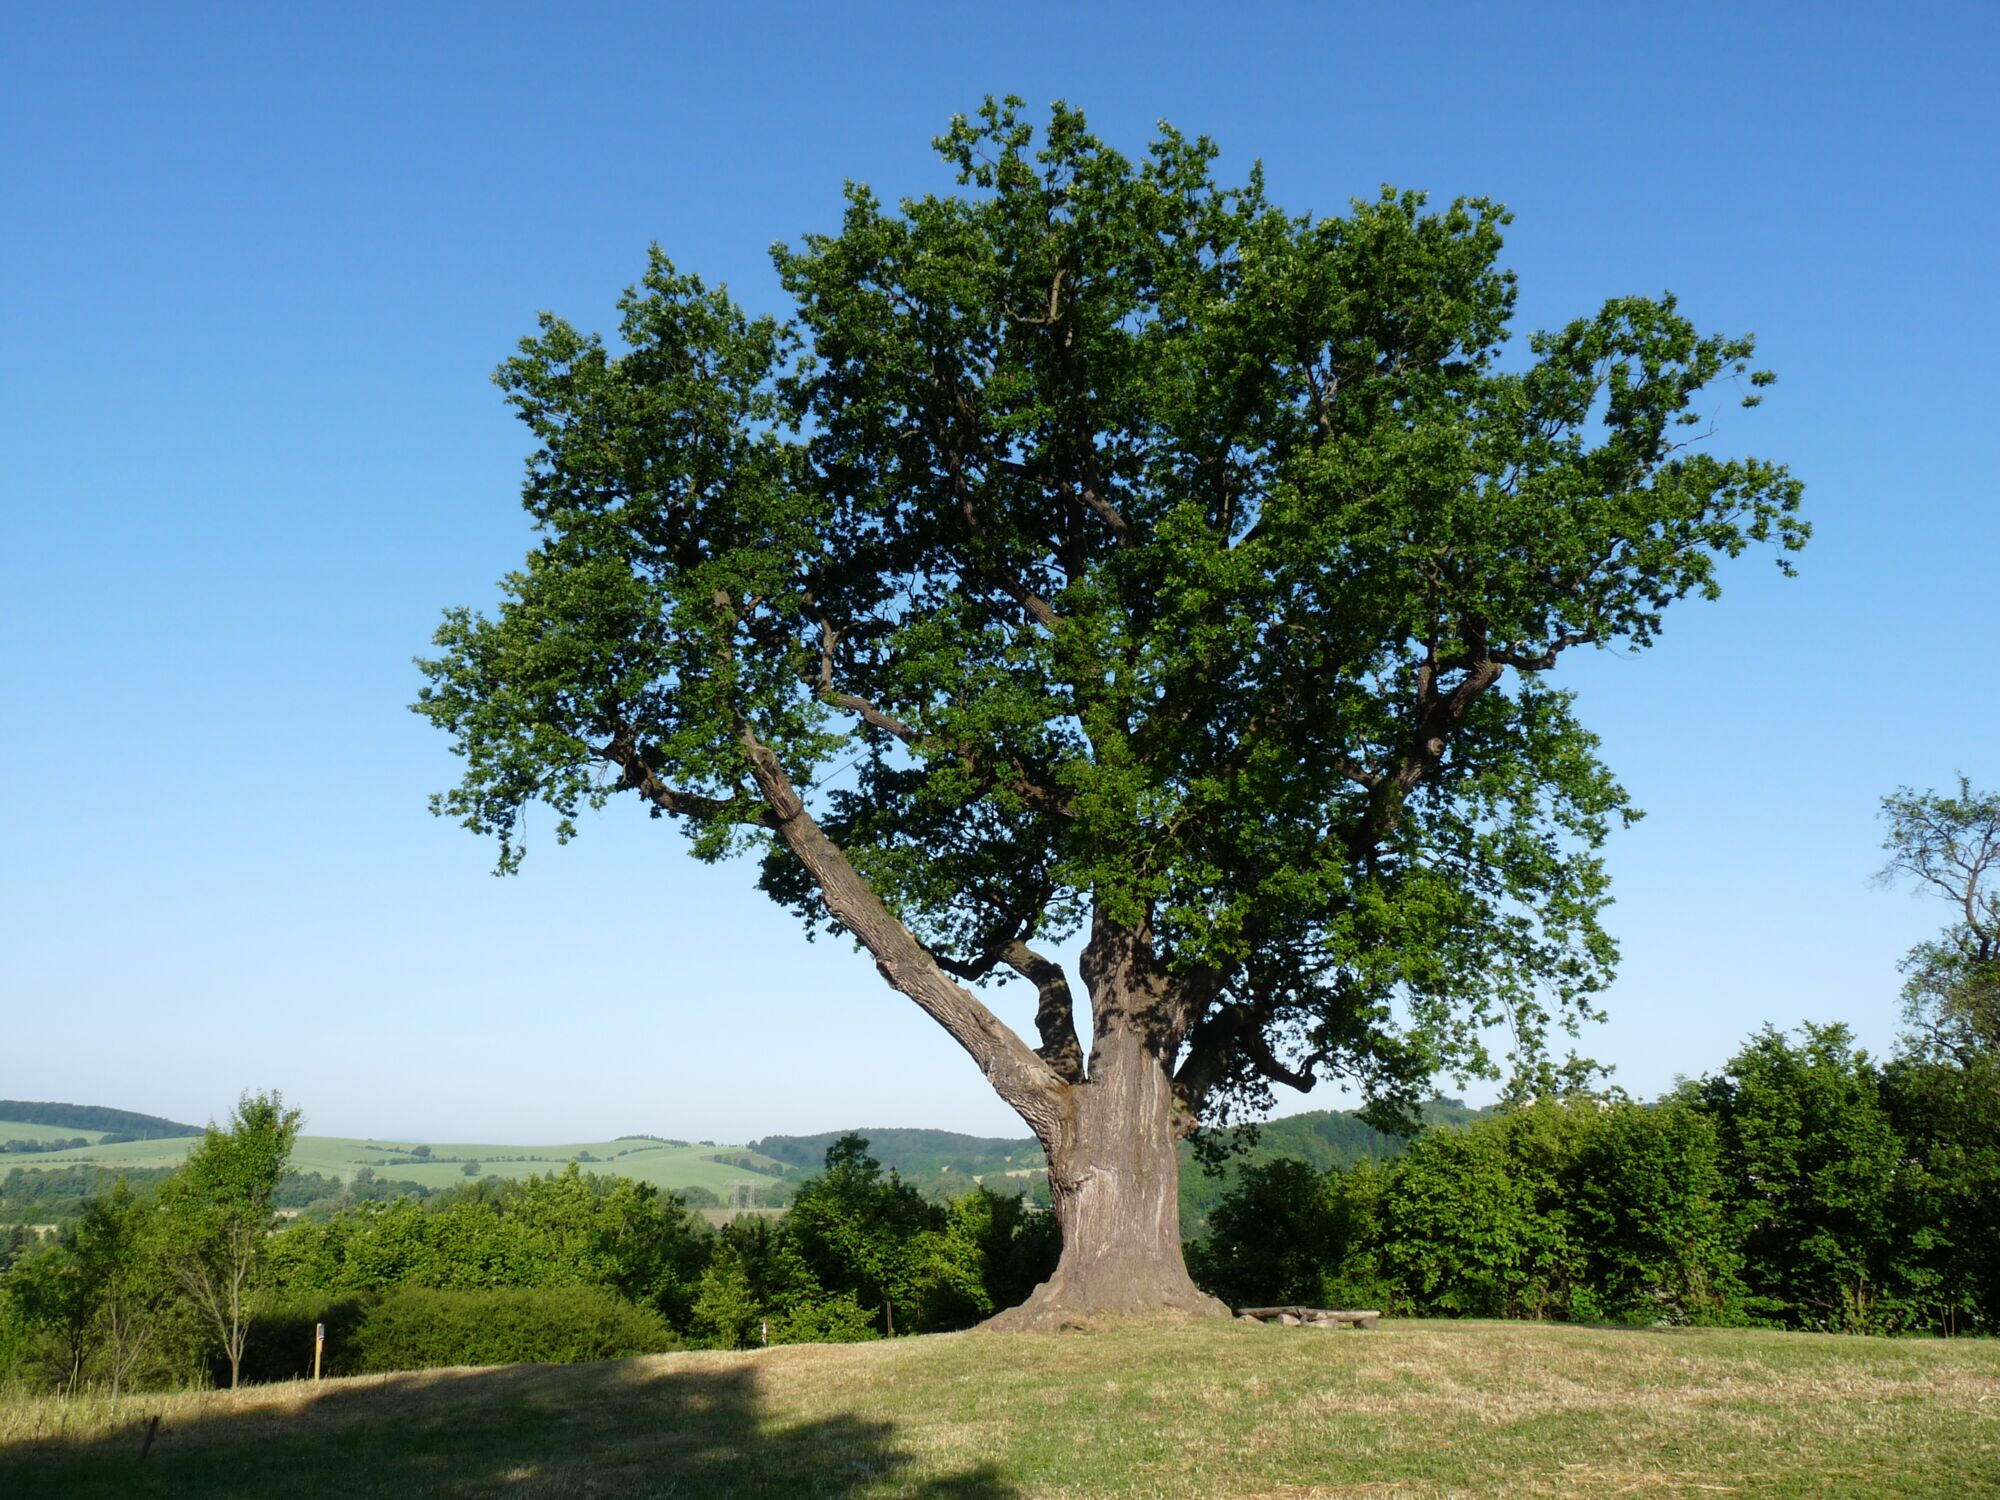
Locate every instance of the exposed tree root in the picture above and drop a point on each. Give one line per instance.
(1057, 1307)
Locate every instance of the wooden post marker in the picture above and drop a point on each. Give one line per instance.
(319, 1343)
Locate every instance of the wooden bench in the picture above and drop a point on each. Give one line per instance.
(1310, 1317)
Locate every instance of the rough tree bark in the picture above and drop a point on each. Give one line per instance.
(1114, 1178)
(1114, 1165)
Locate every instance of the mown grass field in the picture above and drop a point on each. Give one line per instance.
(1230, 1410)
(338, 1156)
(20, 1130)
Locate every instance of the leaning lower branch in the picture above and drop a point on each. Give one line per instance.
(1019, 1075)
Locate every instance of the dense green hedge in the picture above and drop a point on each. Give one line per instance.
(1803, 1186)
(1565, 1211)
(416, 1328)
(280, 1346)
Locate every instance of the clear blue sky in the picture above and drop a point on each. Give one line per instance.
(259, 261)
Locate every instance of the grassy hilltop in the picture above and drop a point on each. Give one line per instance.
(1228, 1410)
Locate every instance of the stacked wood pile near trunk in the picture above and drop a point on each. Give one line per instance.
(1310, 1317)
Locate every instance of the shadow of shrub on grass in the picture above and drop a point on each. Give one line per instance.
(625, 1428)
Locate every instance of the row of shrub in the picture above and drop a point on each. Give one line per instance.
(1805, 1186)
(565, 1267)
(59, 1195)
(860, 1252)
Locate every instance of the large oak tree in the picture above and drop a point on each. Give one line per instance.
(1101, 551)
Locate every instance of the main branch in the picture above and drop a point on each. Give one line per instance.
(1017, 1073)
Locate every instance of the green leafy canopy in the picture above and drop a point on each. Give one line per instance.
(1100, 542)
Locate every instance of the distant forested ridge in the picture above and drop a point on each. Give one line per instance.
(56, 1195)
(1323, 1137)
(1335, 1138)
(933, 1160)
(1327, 1139)
(123, 1123)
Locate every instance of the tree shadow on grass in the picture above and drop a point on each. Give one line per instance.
(629, 1428)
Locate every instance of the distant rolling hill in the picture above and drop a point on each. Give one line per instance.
(440, 1165)
(46, 1119)
(936, 1161)
(912, 1152)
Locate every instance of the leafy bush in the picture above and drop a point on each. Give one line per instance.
(1473, 1222)
(562, 1229)
(757, 1280)
(860, 1231)
(838, 1319)
(1647, 1204)
(1948, 1199)
(15, 1343)
(1811, 1164)
(416, 1328)
(1578, 1210)
(989, 1254)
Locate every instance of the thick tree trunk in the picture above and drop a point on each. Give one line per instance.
(1114, 1174)
(1114, 1178)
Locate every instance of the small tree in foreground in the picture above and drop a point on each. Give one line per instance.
(216, 1224)
(1104, 551)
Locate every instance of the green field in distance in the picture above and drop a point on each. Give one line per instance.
(666, 1166)
(16, 1130)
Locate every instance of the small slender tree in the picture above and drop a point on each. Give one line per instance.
(216, 1221)
(1943, 1091)
(1104, 551)
(1949, 845)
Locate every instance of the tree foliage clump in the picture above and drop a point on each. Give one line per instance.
(565, 1266)
(919, 1264)
(566, 1229)
(1802, 1185)
(1812, 1181)
(1947, 1210)
(150, 1272)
